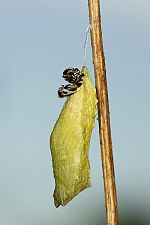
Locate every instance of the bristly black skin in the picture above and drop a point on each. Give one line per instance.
(67, 90)
(74, 77)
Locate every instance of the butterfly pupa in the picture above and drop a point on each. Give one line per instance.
(70, 140)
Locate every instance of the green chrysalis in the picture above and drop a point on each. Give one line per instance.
(70, 140)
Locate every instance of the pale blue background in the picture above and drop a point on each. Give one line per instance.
(38, 40)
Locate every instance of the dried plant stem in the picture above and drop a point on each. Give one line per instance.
(103, 112)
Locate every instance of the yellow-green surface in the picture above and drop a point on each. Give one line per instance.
(69, 142)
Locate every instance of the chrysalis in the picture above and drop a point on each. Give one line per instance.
(70, 140)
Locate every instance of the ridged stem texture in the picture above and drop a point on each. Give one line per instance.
(103, 112)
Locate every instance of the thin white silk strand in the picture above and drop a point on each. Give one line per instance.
(85, 44)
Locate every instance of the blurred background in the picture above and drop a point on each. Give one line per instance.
(38, 40)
